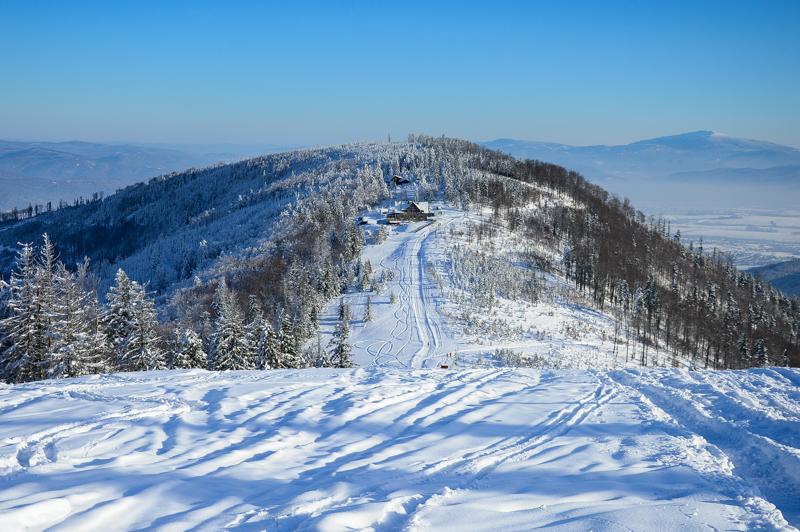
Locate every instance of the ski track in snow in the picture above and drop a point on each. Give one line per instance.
(398, 446)
(398, 449)
(412, 337)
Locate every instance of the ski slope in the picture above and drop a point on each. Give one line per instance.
(414, 333)
(399, 444)
(396, 449)
(410, 334)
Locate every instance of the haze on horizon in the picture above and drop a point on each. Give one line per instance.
(308, 73)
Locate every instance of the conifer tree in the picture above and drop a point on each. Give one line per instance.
(330, 282)
(22, 348)
(254, 324)
(383, 234)
(368, 317)
(98, 354)
(268, 348)
(140, 351)
(46, 319)
(287, 345)
(189, 351)
(760, 353)
(118, 320)
(228, 346)
(70, 335)
(319, 357)
(313, 318)
(341, 354)
(742, 345)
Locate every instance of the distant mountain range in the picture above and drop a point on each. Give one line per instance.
(785, 276)
(41, 172)
(693, 170)
(677, 170)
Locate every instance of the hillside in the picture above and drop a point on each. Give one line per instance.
(527, 265)
(38, 173)
(784, 275)
(325, 370)
(703, 170)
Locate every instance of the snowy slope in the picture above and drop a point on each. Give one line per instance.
(579, 439)
(426, 329)
(393, 449)
(399, 444)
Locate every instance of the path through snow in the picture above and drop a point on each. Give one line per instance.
(408, 334)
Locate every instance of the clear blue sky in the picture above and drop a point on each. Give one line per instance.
(324, 73)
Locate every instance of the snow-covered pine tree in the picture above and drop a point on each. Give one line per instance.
(344, 311)
(141, 352)
(375, 285)
(368, 316)
(46, 303)
(342, 354)
(5, 312)
(254, 323)
(268, 348)
(189, 352)
(363, 282)
(228, 346)
(288, 356)
(22, 343)
(743, 346)
(382, 235)
(118, 320)
(97, 358)
(393, 298)
(313, 317)
(343, 275)
(71, 339)
(353, 241)
(760, 353)
(623, 293)
(330, 282)
(320, 358)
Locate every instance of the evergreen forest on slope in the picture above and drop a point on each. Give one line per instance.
(229, 267)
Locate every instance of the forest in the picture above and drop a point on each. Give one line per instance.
(228, 267)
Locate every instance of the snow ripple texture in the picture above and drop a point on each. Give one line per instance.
(397, 449)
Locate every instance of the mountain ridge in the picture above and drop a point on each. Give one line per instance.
(40, 172)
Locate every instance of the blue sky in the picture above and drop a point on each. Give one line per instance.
(323, 73)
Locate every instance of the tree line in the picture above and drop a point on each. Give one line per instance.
(220, 300)
(53, 325)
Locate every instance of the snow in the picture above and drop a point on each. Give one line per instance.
(426, 328)
(397, 449)
(401, 444)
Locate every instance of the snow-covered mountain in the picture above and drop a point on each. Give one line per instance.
(499, 343)
(40, 172)
(681, 170)
(512, 245)
(659, 157)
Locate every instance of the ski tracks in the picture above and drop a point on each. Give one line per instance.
(415, 335)
(749, 419)
(455, 404)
